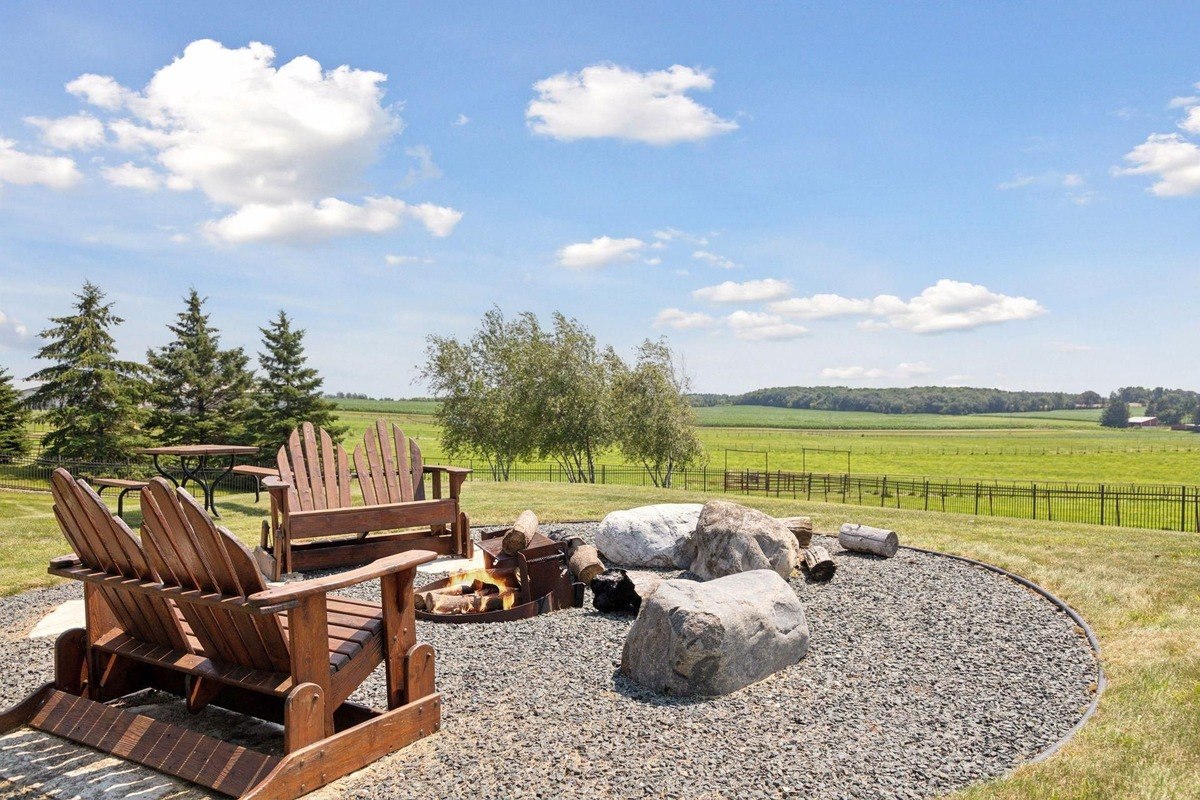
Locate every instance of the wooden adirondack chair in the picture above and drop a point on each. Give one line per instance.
(190, 614)
(311, 500)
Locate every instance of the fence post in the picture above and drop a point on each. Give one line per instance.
(1182, 508)
(1033, 486)
(977, 499)
(603, 474)
(883, 492)
(1102, 504)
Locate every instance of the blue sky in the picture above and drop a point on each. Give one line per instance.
(869, 195)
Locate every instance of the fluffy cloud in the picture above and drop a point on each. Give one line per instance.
(946, 306)
(1170, 158)
(605, 100)
(131, 176)
(756, 326)
(756, 291)
(26, 169)
(425, 169)
(902, 371)
(682, 320)
(12, 332)
(307, 222)
(460, 120)
(713, 259)
(599, 252)
(399, 261)
(80, 131)
(274, 143)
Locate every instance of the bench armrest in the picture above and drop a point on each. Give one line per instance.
(278, 598)
(448, 470)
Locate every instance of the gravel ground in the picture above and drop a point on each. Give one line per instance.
(925, 674)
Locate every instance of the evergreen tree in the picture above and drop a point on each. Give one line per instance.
(199, 393)
(1116, 412)
(13, 416)
(90, 396)
(289, 391)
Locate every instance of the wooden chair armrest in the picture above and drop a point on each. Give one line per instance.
(278, 598)
(448, 470)
(275, 482)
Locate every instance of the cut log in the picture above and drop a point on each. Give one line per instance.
(818, 563)
(520, 535)
(865, 539)
(585, 563)
(614, 592)
(801, 528)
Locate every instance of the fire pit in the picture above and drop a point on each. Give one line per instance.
(536, 580)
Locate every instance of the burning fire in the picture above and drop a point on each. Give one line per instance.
(471, 591)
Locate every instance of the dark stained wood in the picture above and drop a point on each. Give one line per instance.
(304, 717)
(70, 661)
(419, 677)
(399, 632)
(22, 712)
(306, 524)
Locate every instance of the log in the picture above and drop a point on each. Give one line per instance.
(801, 528)
(585, 563)
(614, 592)
(865, 539)
(520, 535)
(818, 563)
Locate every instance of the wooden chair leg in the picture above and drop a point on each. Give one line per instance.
(308, 629)
(303, 717)
(419, 671)
(70, 661)
(399, 633)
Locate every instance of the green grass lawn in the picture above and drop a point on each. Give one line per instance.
(1139, 589)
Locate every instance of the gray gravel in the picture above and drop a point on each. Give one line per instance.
(925, 674)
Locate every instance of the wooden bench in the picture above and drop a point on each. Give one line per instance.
(184, 610)
(126, 486)
(258, 473)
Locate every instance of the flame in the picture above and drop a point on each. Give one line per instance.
(507, 582)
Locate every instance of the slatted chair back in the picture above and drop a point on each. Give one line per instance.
(189, 550)
(389, 466)
(319, 474)
(105, 543)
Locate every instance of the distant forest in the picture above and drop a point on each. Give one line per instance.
(949, 400)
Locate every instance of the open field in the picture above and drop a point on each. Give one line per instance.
(1140, 590)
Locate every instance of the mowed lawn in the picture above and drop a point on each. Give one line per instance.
(1139, 589)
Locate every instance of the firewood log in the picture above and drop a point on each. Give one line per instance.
(520, 535)
(801, 528)
(865, 539)
(818, 563)
(585, 563)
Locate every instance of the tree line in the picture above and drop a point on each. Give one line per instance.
(909, 400)
(1171, 406)
(189, 391)
(517, 391)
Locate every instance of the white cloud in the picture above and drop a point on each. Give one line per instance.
(683, 320)
(80, 131)
(180, 238)
(12, 332)
(599, 252)
(606, 100)
(755, 291)
(274, 143)
(1172, 159)
(1019, 182)
(948, 305)
(460, 120)
(756, 326)
(665, 235)
(26, 169)
(902, 371)
(100, 90)
(131, 176)
(654, 262)
(714, 259)
(1184, 102)
(1072, 179)
(399, 261)
(425, 170)
(306, 222)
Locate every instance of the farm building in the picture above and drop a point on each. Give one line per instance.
(1143, 422)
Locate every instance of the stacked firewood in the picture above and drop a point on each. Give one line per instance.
(471, 596)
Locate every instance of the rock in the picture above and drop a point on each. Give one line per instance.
(730, 538)
(715, 637)
(801, 528)
(650, 536)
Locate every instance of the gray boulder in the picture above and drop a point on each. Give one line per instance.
(649, 536)
(713, 638)
(730, 538)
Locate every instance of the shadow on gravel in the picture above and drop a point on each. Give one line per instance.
(624, 686)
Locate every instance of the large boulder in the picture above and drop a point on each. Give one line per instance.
(714, 637)
(649, 536)
(730, 538)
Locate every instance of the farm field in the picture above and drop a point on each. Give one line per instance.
(1037, 446)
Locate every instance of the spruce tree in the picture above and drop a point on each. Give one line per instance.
(13, 416)
(90, 396)
(289, 391)
(199, 393)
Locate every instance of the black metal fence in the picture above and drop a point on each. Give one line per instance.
(1163, 507)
